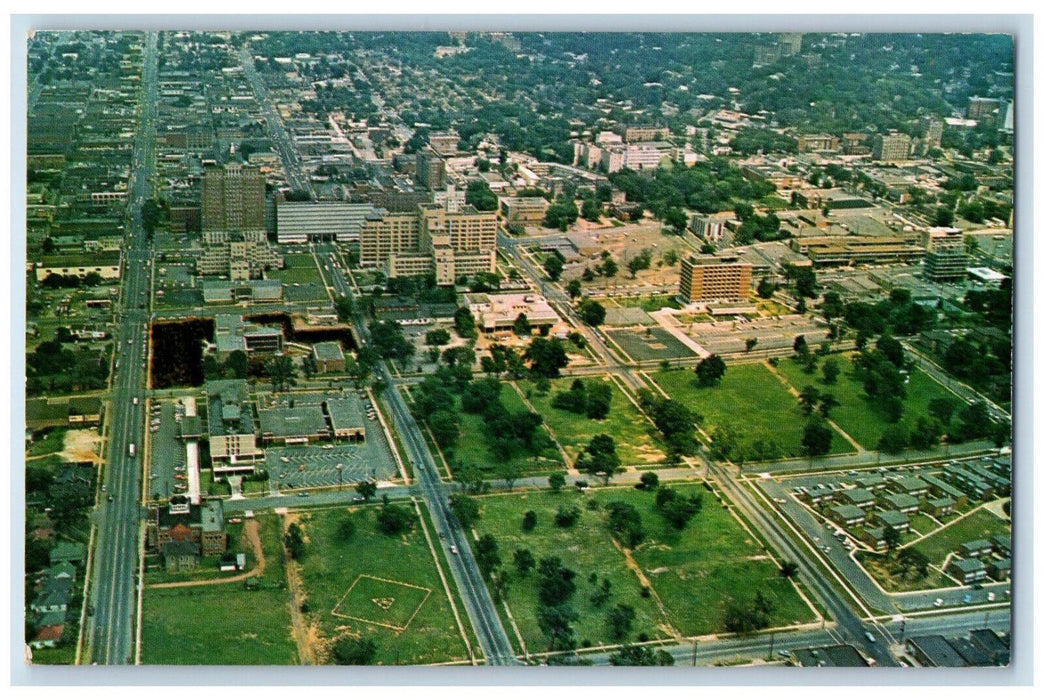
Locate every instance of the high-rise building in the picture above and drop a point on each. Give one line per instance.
(945, 257)
(933, 130)
(431, 170)
(982, 107)
(233, 198)
(714, 278)
(891, 146)
(300, 222)
(789, 44)
(430, 240)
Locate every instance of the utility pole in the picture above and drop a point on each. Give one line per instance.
(772, 640)
(695, 643)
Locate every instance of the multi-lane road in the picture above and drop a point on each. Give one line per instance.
(111, 629)
(496, 646)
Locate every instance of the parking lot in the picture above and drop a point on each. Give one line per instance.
(653, 343)
(167, 453)
(330, 464)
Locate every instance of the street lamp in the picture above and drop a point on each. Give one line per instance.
(340, 483)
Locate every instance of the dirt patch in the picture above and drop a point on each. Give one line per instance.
(306, 635)
(644, 580)
(81, 446)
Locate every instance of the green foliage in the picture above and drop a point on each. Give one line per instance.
(710, 370)
(354, 651)
(592, 312)
(817, 437)
(393, 519)
(465, 509)
(480, 196)
(294, 542)
(553, 266)
(556, 480)
(524, 561)
(567, 516)
(529, 521)
(625, 523)
(676, 508)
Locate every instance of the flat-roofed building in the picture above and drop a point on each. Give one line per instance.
(945, 257)
(230, 427)
(891, 146)
(105, 265)
(494, 312)
(232, 333)
(530, 210)
(298, 425)
(346, 417)
(449, 244)
(854, 250)
(233, 198)
(444, 142)
(714, 278)
(933, 650)
(301, 222)
(329, 356)
(817, 143)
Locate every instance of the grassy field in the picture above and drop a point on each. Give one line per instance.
(53, 441)
(982, 524)
(855, 415)
(223, 624)
(878, 566)
(300, 268)
(634, 435)
(693, 573)
(751, 400)
(472, 447)
(410, 596)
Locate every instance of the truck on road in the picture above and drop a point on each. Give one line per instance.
(130, 449)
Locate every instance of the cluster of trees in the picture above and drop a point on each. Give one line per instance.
(755, 227)
(54, 368)
(390, 342)
(676, 508)
(642, 261)
(553, 266)
(750, 140)
(898, 314)
(599, 458)
(593, 401)
(294, 542)
(56, 281)
(591, 312)
(708, 187)
(480, 196)
(675, 421)
(745, 616)
(561, 214)
(394, 519)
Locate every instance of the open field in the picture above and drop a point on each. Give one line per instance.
(749, 399)
(384, 588)
(300, 268)
(877, 565)
(634, 435)
(982, 524)
(693, 573)
(855, 415)
(223, 624)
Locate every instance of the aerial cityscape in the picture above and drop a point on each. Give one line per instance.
(518, 349)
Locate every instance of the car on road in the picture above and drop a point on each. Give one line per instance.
(991, 596)
(938, 602)
(110, 498)
(785, 653)
(303, 494)
(453, 548)
(870, 638)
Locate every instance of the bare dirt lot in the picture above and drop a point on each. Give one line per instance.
(81, 446)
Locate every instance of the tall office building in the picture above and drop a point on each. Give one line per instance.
(431, 170)
(933, 131)
(714, 278)
(432, 239)
(891, 146)
(945, 257)
(233, 198)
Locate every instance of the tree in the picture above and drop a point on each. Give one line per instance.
(675, 218)
(677, 509)
(445, 427)
(630, 655)
(832, 307)
(556, 480)
(808, 398)
(766, 288)
(788, 569)
(598, 400)
(943, 408)
(750, 343)
(546, 357)
(894, 439)
(891, 539)
(591, 209)
(831, 370)
(529, 521)
(556, 622)
(309, 366)
(393, 519)
(524, 561)
(237, 364)
(294, 542)
(592, 312)
(573, 289)
(366, 489)
(817, 437)
(437, 337)
(625, 523)
(567, 516)
(465, 509)
(346, 529)
(827, 403)
(599, 457)
(553, 266)
(620, 620)
(801, 346)
(649, 481)
(609, 268)
(710, 370)
(510, 472)
(556, 583)
(487, 554)
(464, 323)
(354, 651)
(521, 325)
(282, 372)
(943, 216)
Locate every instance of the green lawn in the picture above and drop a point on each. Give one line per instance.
(855, 415)
(694, 572)
(749, 399)
(982, 524)
(300, 268)
(878, 567)
(223, 624)
(412, 595)
(635, 436)
(53, 441)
